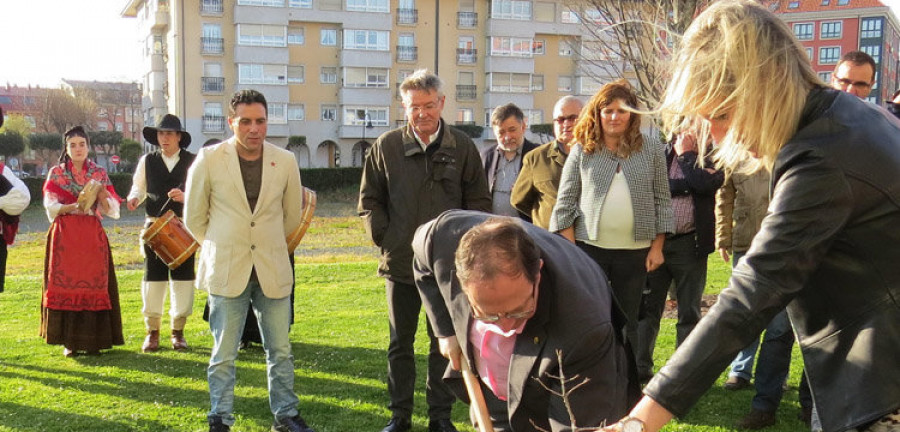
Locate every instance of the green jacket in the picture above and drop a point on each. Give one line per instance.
(403, 187)
(534, 193)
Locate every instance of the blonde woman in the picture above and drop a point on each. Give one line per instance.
(614, 199)
(829, 247)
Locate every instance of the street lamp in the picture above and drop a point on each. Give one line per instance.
(367, 123)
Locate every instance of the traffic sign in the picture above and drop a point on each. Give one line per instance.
(114, 159)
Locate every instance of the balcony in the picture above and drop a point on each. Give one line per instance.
(407, 16)
(407, 53)
(212, 45)
(213, 123)
(466, 92)
(212, 7)
(212, 84)
(466, 56)
(466, 19)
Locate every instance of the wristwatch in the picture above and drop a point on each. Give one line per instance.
(631, 424)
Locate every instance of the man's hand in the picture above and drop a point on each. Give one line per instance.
(724, 254)
(685, 143)
(177, 195)
(132, 204)
(449, 347)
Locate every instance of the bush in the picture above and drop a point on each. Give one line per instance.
(473, 131)
(325, 179)
(121, 183)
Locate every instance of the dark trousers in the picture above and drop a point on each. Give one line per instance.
(626, 270)
(773, 363)
(404, 305)
(687, 269)
(3, 254)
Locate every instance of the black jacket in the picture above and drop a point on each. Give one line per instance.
(701, 185)
(829, 250)
(489, 158)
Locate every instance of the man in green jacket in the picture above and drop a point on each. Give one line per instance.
(410, 176)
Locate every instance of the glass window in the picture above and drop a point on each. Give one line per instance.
(361, 77)
(511, 9)
(570, 17)
(533, 116)
(803, 31)
(565, 49)
(831, 30)
(537, 47)
(274, 3)
(302, 4)
(295, 74)
(825, 76)
(793, 5)
(328, 37)
(829, 55)
(328, 75)
(506, 82)
(261, 35)
(296, 36)
(371, 40)
(872, 50)
(296, 112)
(276, 113)
(871, 28)
(254, 73)
(357, 115)
(329, 112)
(564, 84)
(367, 5)
(511, 47)
(843, 2)
(537, 82)
(465, 116)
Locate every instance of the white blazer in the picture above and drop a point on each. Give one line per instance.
(233, 240)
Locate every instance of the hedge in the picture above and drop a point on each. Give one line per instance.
(317, 179)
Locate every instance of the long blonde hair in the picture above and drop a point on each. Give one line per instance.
(589, 129)
(739, 59)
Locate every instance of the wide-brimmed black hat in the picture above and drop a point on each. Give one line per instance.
(167, 123)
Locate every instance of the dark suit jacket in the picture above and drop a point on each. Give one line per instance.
(702, 186)
(489, 157)
(574, 317)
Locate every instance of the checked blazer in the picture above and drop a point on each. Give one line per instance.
(586, 179)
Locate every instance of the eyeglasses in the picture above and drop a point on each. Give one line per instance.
(844, 82)
(510, 315)
(572, 117)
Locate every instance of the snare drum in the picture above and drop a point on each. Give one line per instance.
(170, 240)
(306, 215)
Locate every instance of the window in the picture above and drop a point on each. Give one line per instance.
(874, 51)
(825, 76)
(328, 37)
(296, 112)
(276, 113)
(102, 126)
(253, 73)
(212, 7)
(295, 74)
(565, 49)
(564, 84)
(273, 3)
(406, 47)
(302, 4)
(537, 82)
(793, 5)
(843, 2)
(465, 116)
(588, 85)
(296, 36)
(371, 40)
(368, 5)
(803, 31)
(511, 47)
(826, 2)
(213, 119)
(328, 75)
(507, 82)
(511, 9)
(119, 127)
(570, 17)
(211, 41)
(831, 30)
(261, 35)
(357, 115)
(533, 116)
(329, 112)
(360, 77)
(829, 55)
(871, 28)
(537, 47)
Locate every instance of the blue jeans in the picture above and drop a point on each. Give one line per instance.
(742, 365)
(774, 363)
(226, 322)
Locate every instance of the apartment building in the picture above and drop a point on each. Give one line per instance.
(118, 105)
(330, 69)
(830, 28)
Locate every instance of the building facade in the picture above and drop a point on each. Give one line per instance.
(830, 28)
(330, 69)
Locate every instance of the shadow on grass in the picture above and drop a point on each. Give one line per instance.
(40, 419)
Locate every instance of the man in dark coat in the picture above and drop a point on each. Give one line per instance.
(503, 161)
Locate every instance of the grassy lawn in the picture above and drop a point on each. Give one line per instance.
(339, 341)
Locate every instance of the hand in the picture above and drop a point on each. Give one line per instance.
(723, 252)
(102, 194)
(449, 347)
(70, 209)
(132, 204)
(654, 259)
(177, 195)
(685, 143)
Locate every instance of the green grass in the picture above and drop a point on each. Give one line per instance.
(339, 341)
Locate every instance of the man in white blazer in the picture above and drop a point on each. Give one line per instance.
(243, 197)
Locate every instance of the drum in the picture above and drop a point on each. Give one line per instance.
(306, 215)
(171, 241)
(88, 195)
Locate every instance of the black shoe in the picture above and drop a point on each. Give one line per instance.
(736, 383)
(216, 425)
(442, 425)
(805, 415)
(291, 424)
(397, 424)
(757, 419)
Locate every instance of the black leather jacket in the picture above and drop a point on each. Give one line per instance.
(830, 251)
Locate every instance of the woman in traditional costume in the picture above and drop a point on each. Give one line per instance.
(80, 302)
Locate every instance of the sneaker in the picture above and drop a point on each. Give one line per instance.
(757, 419)
(736, 383)
(216, 425)
(291, 424)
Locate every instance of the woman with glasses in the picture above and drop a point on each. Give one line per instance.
(614, 199)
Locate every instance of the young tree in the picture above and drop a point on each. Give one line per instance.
(16, 123)
(48, 145)
(11, 144)
(634, 40)
(63, 110)
(129, 151)
(109, 141)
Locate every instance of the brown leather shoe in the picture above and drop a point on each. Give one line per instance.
(178, 342)
(736, 383)
(151, 342)
(757, 419)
